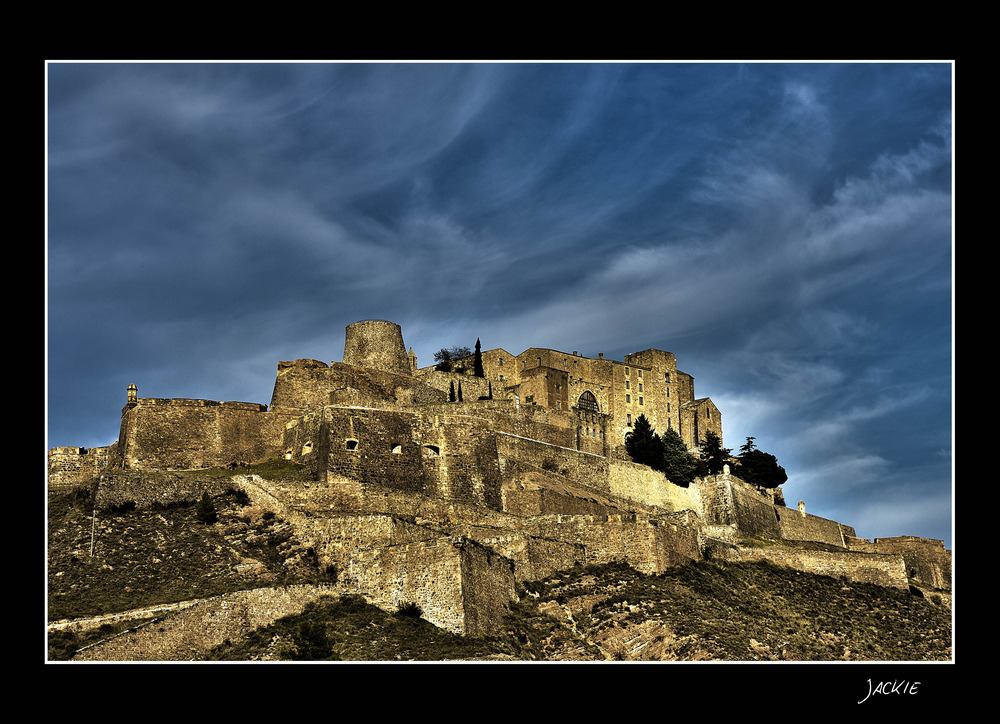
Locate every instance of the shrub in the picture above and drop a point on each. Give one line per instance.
(409, 609)
(205, 511)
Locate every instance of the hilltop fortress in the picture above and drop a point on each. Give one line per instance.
(446, 488)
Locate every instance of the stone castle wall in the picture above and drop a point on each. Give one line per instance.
(880, 569)
(926, 560)
(189, 634)
(307, 384)
(458, 584)
(446, 457)
(71, 466)
(181, 434)
(792, 525)
(648, 545)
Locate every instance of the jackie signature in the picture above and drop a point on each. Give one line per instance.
(890, 687)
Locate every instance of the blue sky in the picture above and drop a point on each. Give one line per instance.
(784, 229)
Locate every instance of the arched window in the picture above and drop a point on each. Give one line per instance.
(588, 402)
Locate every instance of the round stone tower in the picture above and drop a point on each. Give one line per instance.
(377, 344)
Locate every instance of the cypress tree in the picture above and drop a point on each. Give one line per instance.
(477, 368)
(451, 391)
(643, 445)
(678, 465)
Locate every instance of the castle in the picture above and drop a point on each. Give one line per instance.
(447, 487)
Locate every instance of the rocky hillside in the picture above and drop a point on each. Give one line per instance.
(706, 611)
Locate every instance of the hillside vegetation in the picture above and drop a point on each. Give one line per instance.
(704, 611)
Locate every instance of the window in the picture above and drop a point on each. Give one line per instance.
(397, 449)
(626, 371)
(629, 420)
(668, 392)
(628, 398)
(628, 385)
(640, 373)
(352, 444)
(588, 403)
(307, 448)
(640, 400)
(666, 377)
(640, 387)
(431, 451)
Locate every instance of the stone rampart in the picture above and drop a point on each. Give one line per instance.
(189, 634)
(181, 434)
(793, 525)
(880, 569)
(308, 384)
(459, 585)
(451, 458)
(927, 561)
(71, 466)
(649, 487)
(648, 545)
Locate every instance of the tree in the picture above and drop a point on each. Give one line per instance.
(205, 511)
(447, 358)
(678, 465)
(758, 467)
(451, 391)
(477, 364)
(712, 452)
(642, 444)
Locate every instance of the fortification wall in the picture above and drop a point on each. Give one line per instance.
(793, 525)
(307, 384)
(71, 466)
(645, 485)
(649, 546)
(447, 457)
(146, 489)
(458, 584)
(180, 434)
(189, 634)
(529, 421)
(471, 387)
(927, 561)
(533, 557)
(531, 493)
(882, 570)
(520, 453)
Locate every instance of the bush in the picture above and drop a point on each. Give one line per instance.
(311, 643)
(205, 512)
(409, 609)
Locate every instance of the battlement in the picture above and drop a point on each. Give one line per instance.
(187, 402)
